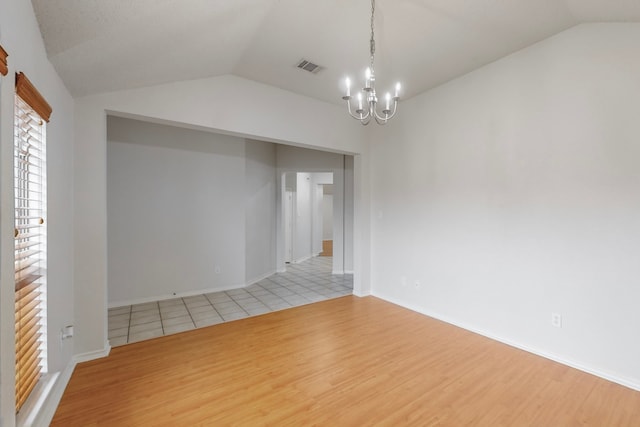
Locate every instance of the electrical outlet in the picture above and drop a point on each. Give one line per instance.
(217, 269)
(417, 284)
(556, 320)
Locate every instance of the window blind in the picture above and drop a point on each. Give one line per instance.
(30, 248)
(4, 69)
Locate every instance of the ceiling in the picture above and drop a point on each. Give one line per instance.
(101, 46)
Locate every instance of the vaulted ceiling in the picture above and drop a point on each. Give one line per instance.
(101, 46)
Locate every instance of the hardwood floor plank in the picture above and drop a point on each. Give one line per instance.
(344, 362)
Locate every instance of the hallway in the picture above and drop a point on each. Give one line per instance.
(304, 283)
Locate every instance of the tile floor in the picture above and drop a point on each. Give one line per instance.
(304, 283)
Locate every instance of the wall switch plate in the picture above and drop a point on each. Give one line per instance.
(556, 320)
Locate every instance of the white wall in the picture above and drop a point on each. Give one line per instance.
(318, 180)
(176, 203)
(20, 36)
(225, 104)
(327, 216)
(349, 213)
(512, 193)
(302, 235)
(260, 208)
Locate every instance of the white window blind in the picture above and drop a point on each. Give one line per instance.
(30, 248)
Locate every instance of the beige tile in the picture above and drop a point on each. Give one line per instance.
(117, 317)
(179, 328)
(119, 310)
(214, 320)
(258, 310)
(234, 316)
(203, 309)
(178, 312)
(144, 327)
(229, 309)
(120, 332)
(117, 341)
(218, 297)
(171, 302)
(253, 304)
(144, 307)
(196, 302)
(146, 318)
(206, 315)
(145, 335)
(118, 325)
(176, 321)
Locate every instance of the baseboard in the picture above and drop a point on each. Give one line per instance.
(303, 259)
(171, 296)
(348, 272)
(259, 278)
(538, 352)
(92, 355)
(365, 294)
(190, 293)
(53, 391)
(340, 272)
(52, 401)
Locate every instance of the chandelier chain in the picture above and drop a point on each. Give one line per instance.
(372, 47)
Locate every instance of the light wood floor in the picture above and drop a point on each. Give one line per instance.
(327, 248)
(344, 362)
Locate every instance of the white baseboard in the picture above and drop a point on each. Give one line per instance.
(171, 296)
(45, 405)
(92, 355)
(337, 272)
(573, 364)
(259, 278)
(190, 293)
(364, 294)
(52, 401)
(303, 259)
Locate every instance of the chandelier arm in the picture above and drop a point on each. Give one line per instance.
(380, 119)
(395, 108)
(356, 116)
(383, 119)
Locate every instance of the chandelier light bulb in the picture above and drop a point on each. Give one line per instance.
(388, 97)
(348, 83)
(398, 87)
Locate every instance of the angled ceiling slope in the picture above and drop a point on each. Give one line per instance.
(102, 46)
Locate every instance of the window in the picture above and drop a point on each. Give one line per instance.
(31, 112)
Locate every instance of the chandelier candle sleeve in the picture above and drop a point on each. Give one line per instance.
(368, 92)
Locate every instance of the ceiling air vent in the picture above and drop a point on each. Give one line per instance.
(309, 66)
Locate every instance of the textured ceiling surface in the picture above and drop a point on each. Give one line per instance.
(101, 46)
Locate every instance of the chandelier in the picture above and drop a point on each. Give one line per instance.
(367, 99)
